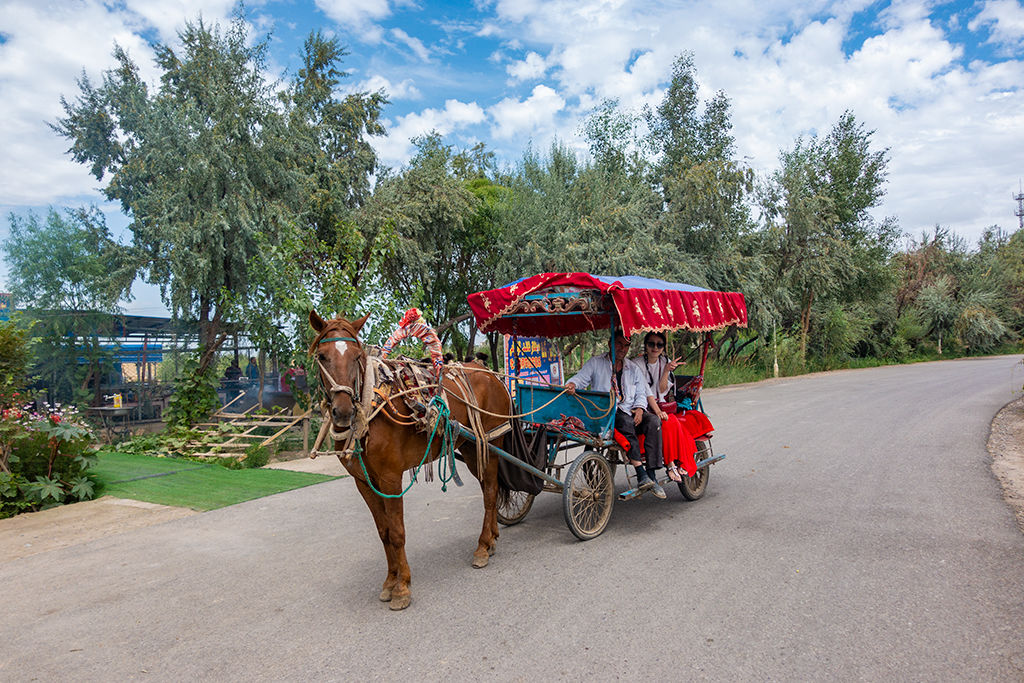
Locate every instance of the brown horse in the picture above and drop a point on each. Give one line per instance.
(393, 445)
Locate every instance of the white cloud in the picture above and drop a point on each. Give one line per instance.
(414, 44)
(537, 112)
(355, 12)
(528, 69)
(404, 90)
(168, 17)
(396, 148)
(45, 49)
(1005, 20)
(789, 69)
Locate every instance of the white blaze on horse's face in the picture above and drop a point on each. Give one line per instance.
(342, 347)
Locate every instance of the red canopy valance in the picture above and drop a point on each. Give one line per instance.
(641, 304)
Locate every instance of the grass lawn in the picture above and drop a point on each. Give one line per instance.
(183, 483)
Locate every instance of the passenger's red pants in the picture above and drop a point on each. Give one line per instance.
(677, 438)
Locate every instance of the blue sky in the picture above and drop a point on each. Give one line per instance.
(939, 82)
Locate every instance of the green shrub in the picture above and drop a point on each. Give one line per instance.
(256, 455)
(980, 329)
(195, 397)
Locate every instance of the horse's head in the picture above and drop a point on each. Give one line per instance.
(341, 362)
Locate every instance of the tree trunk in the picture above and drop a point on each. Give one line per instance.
(470, 351)
(212, 335)
(492, 342)
(805, 324)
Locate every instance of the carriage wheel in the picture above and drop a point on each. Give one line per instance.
(588, 495)
(513, 510)
(693, 488)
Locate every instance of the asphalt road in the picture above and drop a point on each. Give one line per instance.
(854, 532)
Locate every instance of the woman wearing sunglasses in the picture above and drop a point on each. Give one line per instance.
(677, 437)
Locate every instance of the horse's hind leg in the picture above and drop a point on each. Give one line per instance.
(489, 533)
(376, 505)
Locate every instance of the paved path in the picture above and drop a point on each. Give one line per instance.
(855, 531)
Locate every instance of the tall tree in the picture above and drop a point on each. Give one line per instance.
(442, 241)
(327, 256)
(705, 189)
(200, 166)
(595, 216)
(827, 248)
(337, 163)
(70, 262)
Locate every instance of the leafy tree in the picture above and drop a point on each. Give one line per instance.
(444, 237)
(826, 247)
(564, 215)
(199, 165)
(330, 136)
(327, 256)
(979, 326)
(809, 254)
(70, 262)
(72, 274)
(939, 310)
(541, 212)
(705, 189)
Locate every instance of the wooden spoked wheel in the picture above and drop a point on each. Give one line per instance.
(513, 510)
(588, 495)
(693, 488)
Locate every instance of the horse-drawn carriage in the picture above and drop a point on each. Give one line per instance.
(584, 446)
(382, 428)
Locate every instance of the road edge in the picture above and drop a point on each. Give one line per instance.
(1006, 448)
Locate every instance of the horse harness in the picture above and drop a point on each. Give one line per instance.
(385, 380)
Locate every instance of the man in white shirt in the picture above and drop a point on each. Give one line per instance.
(630, 417)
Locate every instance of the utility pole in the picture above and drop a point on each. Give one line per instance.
(1019, 213)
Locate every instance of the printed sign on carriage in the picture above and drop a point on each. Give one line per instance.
(539, 361)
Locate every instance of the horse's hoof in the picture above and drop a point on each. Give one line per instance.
(480, 561)
(385, 595)
(400, 601)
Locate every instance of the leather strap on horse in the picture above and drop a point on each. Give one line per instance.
(360, 419)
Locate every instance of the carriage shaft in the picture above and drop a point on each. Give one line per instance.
(508, 456)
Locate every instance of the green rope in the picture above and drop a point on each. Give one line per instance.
(447, 452)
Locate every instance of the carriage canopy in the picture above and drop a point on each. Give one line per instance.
(559, 304)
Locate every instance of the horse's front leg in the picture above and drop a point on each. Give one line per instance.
(380, 519)
(394, 512)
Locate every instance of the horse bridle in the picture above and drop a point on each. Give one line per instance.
(336, 387)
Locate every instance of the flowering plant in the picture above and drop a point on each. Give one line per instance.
(44, 454)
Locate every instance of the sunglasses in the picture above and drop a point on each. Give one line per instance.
(656, 344)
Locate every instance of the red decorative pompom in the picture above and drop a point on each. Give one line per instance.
(412, 315)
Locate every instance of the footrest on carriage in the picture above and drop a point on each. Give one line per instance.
(664, 479)
(709, 461)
